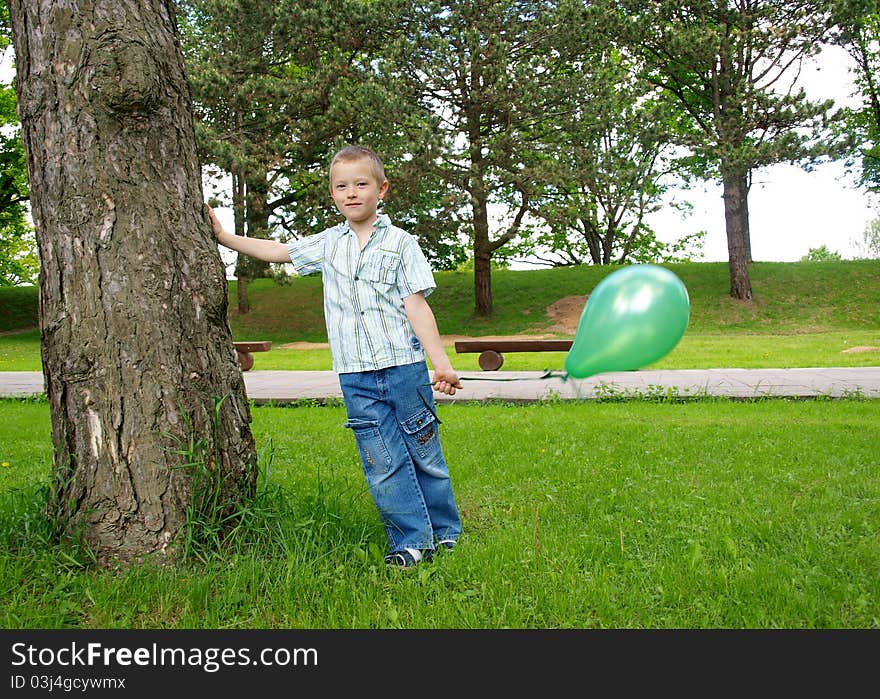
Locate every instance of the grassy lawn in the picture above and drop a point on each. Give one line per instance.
(597, 514)
(21, 352)
(634, 514)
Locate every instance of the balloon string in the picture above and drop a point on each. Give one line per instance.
(548, 374)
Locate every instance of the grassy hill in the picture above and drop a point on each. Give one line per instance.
(790, 298)
(18, 307)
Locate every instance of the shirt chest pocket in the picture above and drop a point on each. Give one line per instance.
(381, 269)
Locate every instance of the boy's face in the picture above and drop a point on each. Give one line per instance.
(356, 191)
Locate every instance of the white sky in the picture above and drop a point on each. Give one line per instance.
(790, 210)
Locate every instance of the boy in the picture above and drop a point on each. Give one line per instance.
(380, 328)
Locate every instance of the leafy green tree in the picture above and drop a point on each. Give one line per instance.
(861, 38)
(278, 88)
(869, 244)
(238, 59)
(821, 254)
(732, 65)
(265, 79)
(367, 106)
(614, 163)
(18, 246)
(487, 77)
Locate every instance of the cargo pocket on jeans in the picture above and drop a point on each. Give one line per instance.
(421, 432)
(374, 454)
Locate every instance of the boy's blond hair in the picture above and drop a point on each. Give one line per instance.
(352, 153)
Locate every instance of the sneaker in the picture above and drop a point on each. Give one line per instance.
(448, 544)
(401, 559)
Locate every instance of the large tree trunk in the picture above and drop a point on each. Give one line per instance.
(479, 208)
(254, 222)
(257, 198)
(482, 261)
(242, 269)
(137, 353)
(736, 218)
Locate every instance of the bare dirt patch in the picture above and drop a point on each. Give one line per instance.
(566, 313)
(860, 349)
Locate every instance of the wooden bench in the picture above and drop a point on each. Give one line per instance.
(490, 351)
(244, 349)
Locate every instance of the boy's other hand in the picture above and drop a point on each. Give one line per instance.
(446, 382)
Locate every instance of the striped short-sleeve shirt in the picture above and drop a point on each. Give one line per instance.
(364, 290)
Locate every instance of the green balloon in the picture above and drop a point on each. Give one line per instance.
(634, 317)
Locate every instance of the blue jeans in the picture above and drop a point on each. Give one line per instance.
(393, 417)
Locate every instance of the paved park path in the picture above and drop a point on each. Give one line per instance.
(528, 386)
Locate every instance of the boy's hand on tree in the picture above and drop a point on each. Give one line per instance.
(216, 226)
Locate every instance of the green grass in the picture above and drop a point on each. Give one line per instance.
(790, 297)
(21, 352)
(804, 314)
(618, 513)
(635, 514)
(695, 351)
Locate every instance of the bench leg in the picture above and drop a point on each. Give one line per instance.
(246, 360)
(490, 360)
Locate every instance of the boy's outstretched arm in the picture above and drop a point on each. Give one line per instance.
(265, 250)
(421, 317)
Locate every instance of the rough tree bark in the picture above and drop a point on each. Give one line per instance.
(137, 352)
(736, 218)
(482, 261)
(255, 224)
